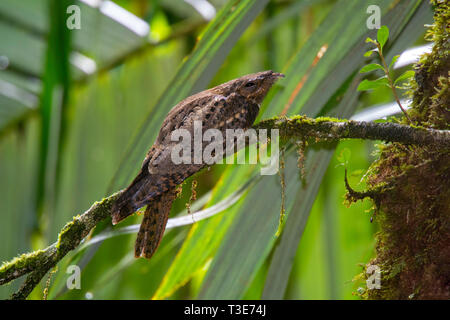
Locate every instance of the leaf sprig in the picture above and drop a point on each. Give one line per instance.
(386, 80)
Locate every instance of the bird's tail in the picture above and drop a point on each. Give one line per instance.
(153, 225)
(131, 199)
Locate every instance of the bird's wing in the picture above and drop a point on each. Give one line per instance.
(204, 112)
(161, 173)
(216, 112)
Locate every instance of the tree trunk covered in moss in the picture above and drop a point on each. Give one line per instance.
(413, 202)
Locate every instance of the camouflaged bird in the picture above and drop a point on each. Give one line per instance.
(232, 105)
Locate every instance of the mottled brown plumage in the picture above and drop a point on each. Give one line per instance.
(232, 105)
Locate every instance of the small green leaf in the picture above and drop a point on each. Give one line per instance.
(405, 76)
(382, 35)
(394, 59)
(373, 84)
(370, 40)
(368, 53)
(371, 67)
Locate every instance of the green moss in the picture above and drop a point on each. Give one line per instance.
(74, 231)
(71, 235)
(26, 261)
(329, 119)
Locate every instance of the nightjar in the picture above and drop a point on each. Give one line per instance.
(232, 105)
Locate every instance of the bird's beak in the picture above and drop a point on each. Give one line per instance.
(277, 75)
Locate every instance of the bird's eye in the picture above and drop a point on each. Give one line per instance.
(249, 84)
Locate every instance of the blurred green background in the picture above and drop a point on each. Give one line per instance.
(79, 109)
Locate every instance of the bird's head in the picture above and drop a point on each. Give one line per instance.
(253, 87)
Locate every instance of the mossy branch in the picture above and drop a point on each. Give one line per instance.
(302, 127)
(39, 262)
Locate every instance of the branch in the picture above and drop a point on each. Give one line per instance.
(39, 262)
(302, 127)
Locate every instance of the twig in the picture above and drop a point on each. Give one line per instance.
(391, 84)
(353, 196)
